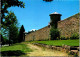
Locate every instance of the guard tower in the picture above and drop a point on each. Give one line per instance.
(54, 18)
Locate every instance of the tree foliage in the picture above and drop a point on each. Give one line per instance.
(75, 36)
(5, 4)
(54, 33)
(3, 40)
(21, 34)
(13, 34)
(10, 18)
(11, 27)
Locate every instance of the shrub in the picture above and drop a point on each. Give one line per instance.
(68, 38)
(57, 38)
(4, 40)
(75, 36)
(63, 38)
(75, 55)
(54, 33)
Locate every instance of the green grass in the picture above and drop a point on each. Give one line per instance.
(59, 42)
(18, 46)
(17, 50)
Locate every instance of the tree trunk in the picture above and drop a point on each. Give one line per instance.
(9, 41)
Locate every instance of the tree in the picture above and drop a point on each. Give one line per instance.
(21, 34)
(54, 33)
(5, 4)
(3, 40)
(9, 18)
(13, 34)
(6, 19)
(11, 24)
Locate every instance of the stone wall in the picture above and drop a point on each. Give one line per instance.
(72, 50)
(66, 27)
(69, 26)
(41, 34)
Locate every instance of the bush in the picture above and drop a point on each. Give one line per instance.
(57, 38)
(4, 40)
(75, 55)
(68, 38)
(54, 33)
(75, 36)
(63, 38)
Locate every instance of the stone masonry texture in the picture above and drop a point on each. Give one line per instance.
(41, 34)
(67, 27)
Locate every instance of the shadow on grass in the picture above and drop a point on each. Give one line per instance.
(12, 53)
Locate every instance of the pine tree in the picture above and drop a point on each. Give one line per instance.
(13, 34)
(21, 34)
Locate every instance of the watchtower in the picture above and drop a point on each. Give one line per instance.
(54, 18)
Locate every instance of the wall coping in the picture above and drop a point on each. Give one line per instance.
(39, 29)
(68, 18)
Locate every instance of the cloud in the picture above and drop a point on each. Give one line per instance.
(33, 29)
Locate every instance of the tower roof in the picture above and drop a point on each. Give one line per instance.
(55, 13)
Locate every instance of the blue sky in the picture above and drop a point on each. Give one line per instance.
(35, 15)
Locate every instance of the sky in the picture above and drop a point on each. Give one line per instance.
(35, 15)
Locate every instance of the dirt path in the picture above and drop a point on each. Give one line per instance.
(38, 51)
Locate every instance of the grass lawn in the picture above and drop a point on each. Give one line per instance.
(60, 42)
(15, 50)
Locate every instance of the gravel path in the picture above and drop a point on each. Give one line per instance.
(39, 51)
